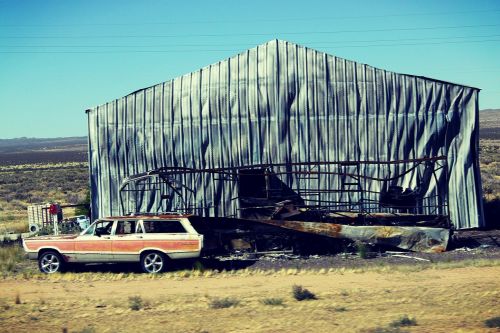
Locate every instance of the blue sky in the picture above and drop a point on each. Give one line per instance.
(58, 58)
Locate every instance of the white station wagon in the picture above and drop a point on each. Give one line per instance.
(149, 240)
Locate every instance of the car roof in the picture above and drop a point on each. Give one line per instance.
(148, 217)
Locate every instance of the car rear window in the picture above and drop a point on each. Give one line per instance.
(155, 227)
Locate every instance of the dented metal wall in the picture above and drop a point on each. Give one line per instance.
(281, 103)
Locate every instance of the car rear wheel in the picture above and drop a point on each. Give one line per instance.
(50, 262)
(153, 262)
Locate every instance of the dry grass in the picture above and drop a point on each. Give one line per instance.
(223, 303)
(273, 301)
(10, 257)
(14, 224)
(22, 269)
(489, 157)
(22, 185)
(185, 304)
(61, 182)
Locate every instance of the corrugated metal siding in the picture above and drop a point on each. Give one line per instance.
(280, 103)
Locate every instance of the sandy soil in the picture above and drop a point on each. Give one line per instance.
(441, 300)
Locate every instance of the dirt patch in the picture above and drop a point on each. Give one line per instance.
(441, 300)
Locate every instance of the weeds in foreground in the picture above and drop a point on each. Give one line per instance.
(14, 226)
(383, 330)
(135, 303)
(222, 303)
(394, 327)
(4, 306)
(22, 269)
(10, 256)
(302, 294)
(492, 322)
(273, 301)
(404, 321)
(362, 250)
(198, 266)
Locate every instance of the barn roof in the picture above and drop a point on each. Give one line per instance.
(286, 45)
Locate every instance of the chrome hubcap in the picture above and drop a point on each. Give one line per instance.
(153, 263)
(50, 263)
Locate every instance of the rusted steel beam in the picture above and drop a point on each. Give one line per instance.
(266, 165)
(419, 239)
(232, 171)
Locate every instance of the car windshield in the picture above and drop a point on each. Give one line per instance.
(100, 226)
(89, 230)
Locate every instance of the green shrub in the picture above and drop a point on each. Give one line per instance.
(362, 250)
(198, 266)
(135, 303)
(492, 322)
(273, 301)
(340, 309)
(383, 330)
(404, 321)
(84, 210)
(222, 303)
(302, 294)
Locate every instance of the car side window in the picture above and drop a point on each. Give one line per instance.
(125, 227)
(103, 228)
(171, 227)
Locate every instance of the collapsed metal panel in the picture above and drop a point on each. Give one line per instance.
(418, 239)
(284, 103)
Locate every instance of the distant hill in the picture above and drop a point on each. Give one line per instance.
(31, 144)
(489, 124)
(43, 150)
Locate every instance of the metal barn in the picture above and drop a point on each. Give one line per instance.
(283, 121)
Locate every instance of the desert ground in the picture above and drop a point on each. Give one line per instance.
(434, 299)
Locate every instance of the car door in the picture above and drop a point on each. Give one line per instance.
(126, 243)
(95, 244)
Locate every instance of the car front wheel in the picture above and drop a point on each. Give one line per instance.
(50, 262)
(153, 262)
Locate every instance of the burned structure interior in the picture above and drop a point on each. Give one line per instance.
(287, 136)
(281, 191)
